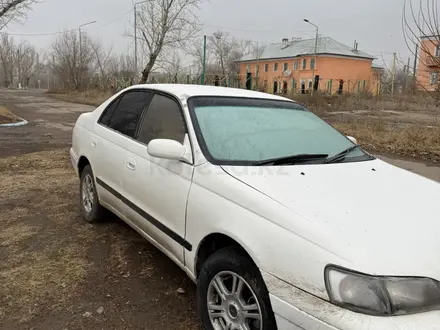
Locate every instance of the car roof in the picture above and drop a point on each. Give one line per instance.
(187, 91)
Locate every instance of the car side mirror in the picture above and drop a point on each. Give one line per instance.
(352, 139)
(166, 149)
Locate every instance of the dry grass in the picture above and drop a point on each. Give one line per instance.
(421, 102)
(32, 278)
(7, 117)
(411, 141)
(89, 97)
(14, 234)
(38, 266)
(54, 266)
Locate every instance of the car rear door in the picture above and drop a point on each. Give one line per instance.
(115, 131)
(157, 189)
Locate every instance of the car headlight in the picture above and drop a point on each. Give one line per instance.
(379, 295)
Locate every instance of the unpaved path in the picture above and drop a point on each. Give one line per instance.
(56, 271)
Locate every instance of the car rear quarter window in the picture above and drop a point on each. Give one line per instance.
(125, 117)
(108, 112)
(163, 120)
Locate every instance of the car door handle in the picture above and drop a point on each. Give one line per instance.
(94, 143)
(131, 164)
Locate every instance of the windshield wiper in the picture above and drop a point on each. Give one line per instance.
(290, 159)
(341, 156)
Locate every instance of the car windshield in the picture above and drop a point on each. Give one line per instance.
(247, 131)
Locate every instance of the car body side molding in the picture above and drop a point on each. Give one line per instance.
(146, 216)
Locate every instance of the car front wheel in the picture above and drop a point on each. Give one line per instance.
(231, 294)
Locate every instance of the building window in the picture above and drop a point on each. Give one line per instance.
(437, 51)
(312, 64)
(434, 78)
(275, 67)
(248, 68)
(266, 68)
(257, 69)
(294, 85)
(295, 65)
(286, 67)
(310, 83)
(304, 66)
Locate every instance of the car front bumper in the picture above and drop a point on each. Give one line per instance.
(74, 160)
(294, 309)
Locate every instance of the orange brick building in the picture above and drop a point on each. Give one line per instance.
(287, 67)
(429, 64)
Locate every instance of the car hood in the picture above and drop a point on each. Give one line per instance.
(384, 220)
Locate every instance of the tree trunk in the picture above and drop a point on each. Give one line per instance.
(147, 70)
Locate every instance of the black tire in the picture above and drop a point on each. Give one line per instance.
(231, 259)
(97, 212)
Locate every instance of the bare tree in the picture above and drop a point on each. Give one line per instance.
(102, 61)
(196, 51)
(223, 48)
(121, 66)
(18, 62)
(7, 59)
(166, 24)
(12, 10)
(420, 23)
(227, 51)
(26, 61)
(72, 63)
(257, 50)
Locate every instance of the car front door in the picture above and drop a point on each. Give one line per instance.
(114, 131)
(157, 189)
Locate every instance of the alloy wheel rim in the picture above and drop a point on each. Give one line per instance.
(232, 304)
(87, 193)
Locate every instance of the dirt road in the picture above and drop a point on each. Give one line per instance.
(56, 271)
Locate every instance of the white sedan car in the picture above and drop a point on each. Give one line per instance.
(283, 222)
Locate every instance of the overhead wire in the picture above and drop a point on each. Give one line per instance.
(70, 30)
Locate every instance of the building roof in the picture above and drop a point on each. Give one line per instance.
(294, 48)
(377, 66)
(186, 91)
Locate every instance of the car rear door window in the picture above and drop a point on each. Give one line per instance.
(126, 116)
(163, 120)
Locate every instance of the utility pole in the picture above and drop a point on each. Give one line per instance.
(204, 60)
(19, 69)
(80, 47)
(135, 43)
(415, 66)
(316, 55)
(52, 71)
(48, 74)
(407, 73)
(394, 74)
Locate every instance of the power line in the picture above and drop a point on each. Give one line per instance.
(246, 30)
(66, 31)
(131, 10)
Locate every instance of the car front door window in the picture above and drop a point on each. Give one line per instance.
(163, 120)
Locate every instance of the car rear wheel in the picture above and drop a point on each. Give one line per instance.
(90, 207)
(231, 294)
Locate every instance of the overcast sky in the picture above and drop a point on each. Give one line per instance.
(375, 24)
